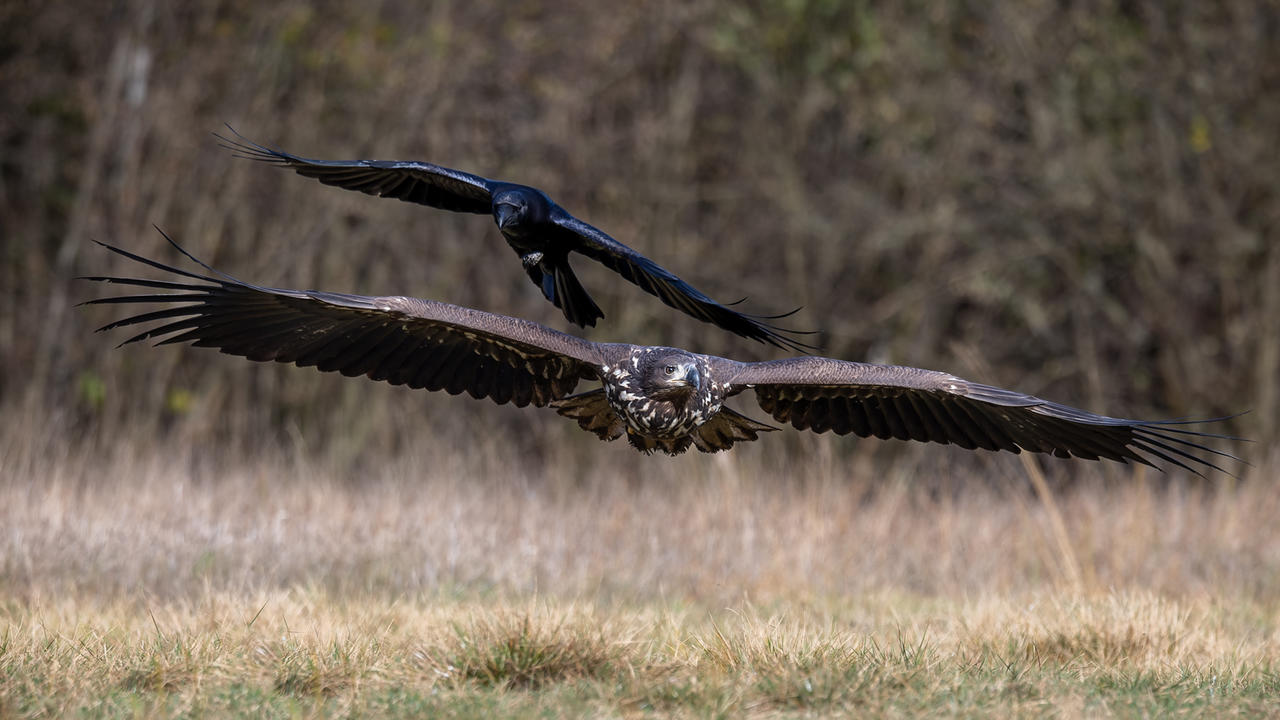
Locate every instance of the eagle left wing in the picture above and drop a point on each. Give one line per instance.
(400, 340)
(908, 403)
(663, 284)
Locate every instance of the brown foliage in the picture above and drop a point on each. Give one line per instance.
(1076, 200)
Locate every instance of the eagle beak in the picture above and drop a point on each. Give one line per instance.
(691, 376)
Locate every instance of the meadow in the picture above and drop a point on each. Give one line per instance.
(177, 582)
(1075, 200)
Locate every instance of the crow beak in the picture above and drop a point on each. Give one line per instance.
(504, 213)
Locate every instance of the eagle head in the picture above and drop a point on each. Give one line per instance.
(670, 374)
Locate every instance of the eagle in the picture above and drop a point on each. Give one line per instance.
(659, 398)
(541, 232)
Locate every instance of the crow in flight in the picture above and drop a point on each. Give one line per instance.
(661, 398)
(541, 232)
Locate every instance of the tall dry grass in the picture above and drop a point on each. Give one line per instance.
(169, 522)
(1074, 201)
(180, 580)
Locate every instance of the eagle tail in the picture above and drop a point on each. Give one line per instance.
(591, 410)
(726, 428)
(670, 446)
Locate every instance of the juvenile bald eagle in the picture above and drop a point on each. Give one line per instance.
(541, 232)
(660, 398)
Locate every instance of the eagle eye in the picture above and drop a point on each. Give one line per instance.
(670, 369)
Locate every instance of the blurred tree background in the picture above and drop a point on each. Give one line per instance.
(1074, 199)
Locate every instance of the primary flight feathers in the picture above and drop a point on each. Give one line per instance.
(661, 398)
(541, 232)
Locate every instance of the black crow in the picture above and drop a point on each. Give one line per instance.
(541, 232)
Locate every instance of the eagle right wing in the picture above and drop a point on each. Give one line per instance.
(400, 340)
(415, 182)
(890, 401)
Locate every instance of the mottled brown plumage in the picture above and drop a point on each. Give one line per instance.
(661, 398)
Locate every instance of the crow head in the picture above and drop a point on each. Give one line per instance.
(517, 208)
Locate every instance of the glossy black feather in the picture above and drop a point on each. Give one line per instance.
(543, 242)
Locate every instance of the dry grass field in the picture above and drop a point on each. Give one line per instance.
(180, 582)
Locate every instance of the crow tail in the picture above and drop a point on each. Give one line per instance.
(562, 288)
